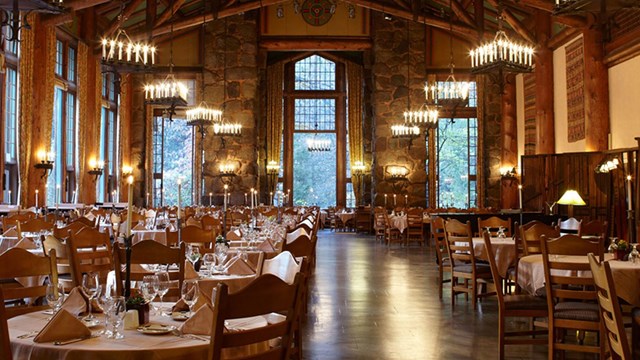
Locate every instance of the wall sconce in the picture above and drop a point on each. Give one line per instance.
(358, 169)
(226, 172)
(127, 170)
(96, 168)
(46, 162)
(397, 173)
(273, 168)
(508, 172)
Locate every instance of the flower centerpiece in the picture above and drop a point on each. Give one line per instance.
(137, 302)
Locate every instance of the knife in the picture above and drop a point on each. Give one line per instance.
(71, 341)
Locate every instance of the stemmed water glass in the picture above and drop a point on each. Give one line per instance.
(634, 255)
(149, 287)
(91, 287)
(208, 261)
(193, 255)
(190, 293)
(116, 315)
(55, 296)
(221, 256)
(163, 288)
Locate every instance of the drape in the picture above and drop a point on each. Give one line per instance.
(275, 80)
(83, 112)
(25, 75)
(354, 88)
(124, 111)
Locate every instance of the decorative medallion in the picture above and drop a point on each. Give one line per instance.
(317, 12)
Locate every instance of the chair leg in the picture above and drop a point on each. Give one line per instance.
(501, 340)
(440, 280)
(474, 294)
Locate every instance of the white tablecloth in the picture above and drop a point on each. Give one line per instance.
(626, 275)
(399, 222)
(504, 249)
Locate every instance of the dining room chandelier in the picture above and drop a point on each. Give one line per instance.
(402, 131)
(501, 54)
(315, 144)
(122, 52)
(203, 114)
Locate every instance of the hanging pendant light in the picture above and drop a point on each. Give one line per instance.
(318, 145)
(501, 54)
(224, 127)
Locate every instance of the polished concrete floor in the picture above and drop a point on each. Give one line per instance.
(369, 301)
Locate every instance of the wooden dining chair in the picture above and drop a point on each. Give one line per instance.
(610, 313)
(391, 233)
(379, 224)
(514, 306)
(302, 246)
(571, 295)
(64, 232)
(150, 252)
(569, 226)
(276, 296)
(5, 342)
(593, 228)
(494, 223)
(35, 225)
(211, 223)
(415, 229)
(85, 221)
(284, 266)
(467, 275)
(193, 235)
(530, 237)
(442, 254)
(89, 251)
(19, 263)
(51, 243)
(635, 333)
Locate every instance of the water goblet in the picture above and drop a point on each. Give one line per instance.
(116, 314)
(91, 287)
(163, 287)
(149, 288)
(634, 255)
(208, 261)
(55, 296)
(193, 255)
(190, 293)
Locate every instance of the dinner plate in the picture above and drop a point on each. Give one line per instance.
(180, 315)
(156, 329)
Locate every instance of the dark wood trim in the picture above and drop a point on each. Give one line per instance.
(315, 44)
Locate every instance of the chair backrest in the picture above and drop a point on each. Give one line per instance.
(571, 225)
(494, 223)
(63, 232)
(85, 221)
(211, 223)
(89, 251)
(171, 237)
(530, 237)
(192, 220)
(197, 236)
(296, 233)
(5, 342)
(414, 220)
(593, 228)
(18, 262)
(495, 274)
(437, 233)
(283, 265)
(51, 243)
(35, 225)
(12, 220)
(150, 252)
(610, 308)
(276, 296)
(300, 246)
(459, 242)
(567, 280)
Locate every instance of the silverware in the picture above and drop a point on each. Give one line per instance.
(71, 341)
(28, 335)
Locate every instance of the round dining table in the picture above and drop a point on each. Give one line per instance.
(504, 252)
(135, 345)
(626, 275)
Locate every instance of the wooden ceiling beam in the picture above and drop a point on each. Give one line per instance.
(168, 13)
(128, 10)
(515, 23)
(569, 20)
(83, 4)
(311, 44)
(460, 12)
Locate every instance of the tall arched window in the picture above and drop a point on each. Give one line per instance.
(315, 100)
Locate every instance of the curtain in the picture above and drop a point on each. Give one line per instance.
(83, 113)
(275, 80)
(124, 111)
(354, 88)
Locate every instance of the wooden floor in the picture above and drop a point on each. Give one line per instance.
(373, 302)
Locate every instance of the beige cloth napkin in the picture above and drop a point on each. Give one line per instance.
(76, 302)
(63, 326)
(11, 232)
(139, 227)
(200, 323)
(26, 243)
(266, 246)
(240, 267)
(90, 216)
(234, 235)
(189, 271)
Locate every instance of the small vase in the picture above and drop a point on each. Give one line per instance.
(620, 254)
(143, 312)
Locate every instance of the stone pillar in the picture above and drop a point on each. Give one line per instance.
(596, 91)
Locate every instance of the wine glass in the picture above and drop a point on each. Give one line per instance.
(190, 293)
(55, 296)
(208, 260)
(634, 255)
(221, 256)
(91, 287)
(163, 288)
(193, 254)
(116, 314)
(149, 287)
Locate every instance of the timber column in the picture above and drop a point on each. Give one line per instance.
(545, 134)
(596, 91)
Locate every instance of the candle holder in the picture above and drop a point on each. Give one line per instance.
(128, 241)
(96, 172)
(46, 166)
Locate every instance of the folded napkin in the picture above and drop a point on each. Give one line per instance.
(266, 246)
(11, 232)
(189, 271)
(63, 326)
(234, 235)
(240, 267)
(115, 219)
(182, 306)
(90, 216)
(200, 323)
(76, 302)
(26, 243)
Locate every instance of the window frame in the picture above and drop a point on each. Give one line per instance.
(9, 167)
(109, 136)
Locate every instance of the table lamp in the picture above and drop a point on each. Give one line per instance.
(571, 198)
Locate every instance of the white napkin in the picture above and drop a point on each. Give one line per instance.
(63, 326)
(200, 323)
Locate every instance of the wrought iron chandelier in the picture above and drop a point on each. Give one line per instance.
(501, 54)
(224, 127)
(10, 11)
(318, 145)
(122, 52)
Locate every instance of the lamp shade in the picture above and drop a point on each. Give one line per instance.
(571, 197)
